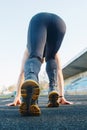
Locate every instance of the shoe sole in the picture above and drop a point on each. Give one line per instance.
(53, 99)
(30, 92)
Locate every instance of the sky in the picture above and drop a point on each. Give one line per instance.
(14, 20)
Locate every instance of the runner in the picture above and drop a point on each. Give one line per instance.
(45, 35)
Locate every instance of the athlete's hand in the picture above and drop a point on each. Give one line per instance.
(16, 102)
(63, 101)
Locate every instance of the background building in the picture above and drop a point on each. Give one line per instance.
(75, 74)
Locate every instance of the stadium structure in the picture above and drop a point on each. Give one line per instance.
(75, 73)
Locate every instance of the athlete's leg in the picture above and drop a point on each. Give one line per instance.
(37, 34)
(55, 35)
(30, 89)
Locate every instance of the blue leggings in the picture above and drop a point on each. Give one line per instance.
(45, 34)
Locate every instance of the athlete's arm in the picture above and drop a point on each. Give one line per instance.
(21, 75)
(60, 76)
(17, 100)
(62, 99)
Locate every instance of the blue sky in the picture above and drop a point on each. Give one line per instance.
(14, 20)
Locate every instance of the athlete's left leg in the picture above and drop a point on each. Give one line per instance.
(30, 89)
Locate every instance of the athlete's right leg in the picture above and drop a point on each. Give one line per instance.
(55, 35)
(30, 89)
